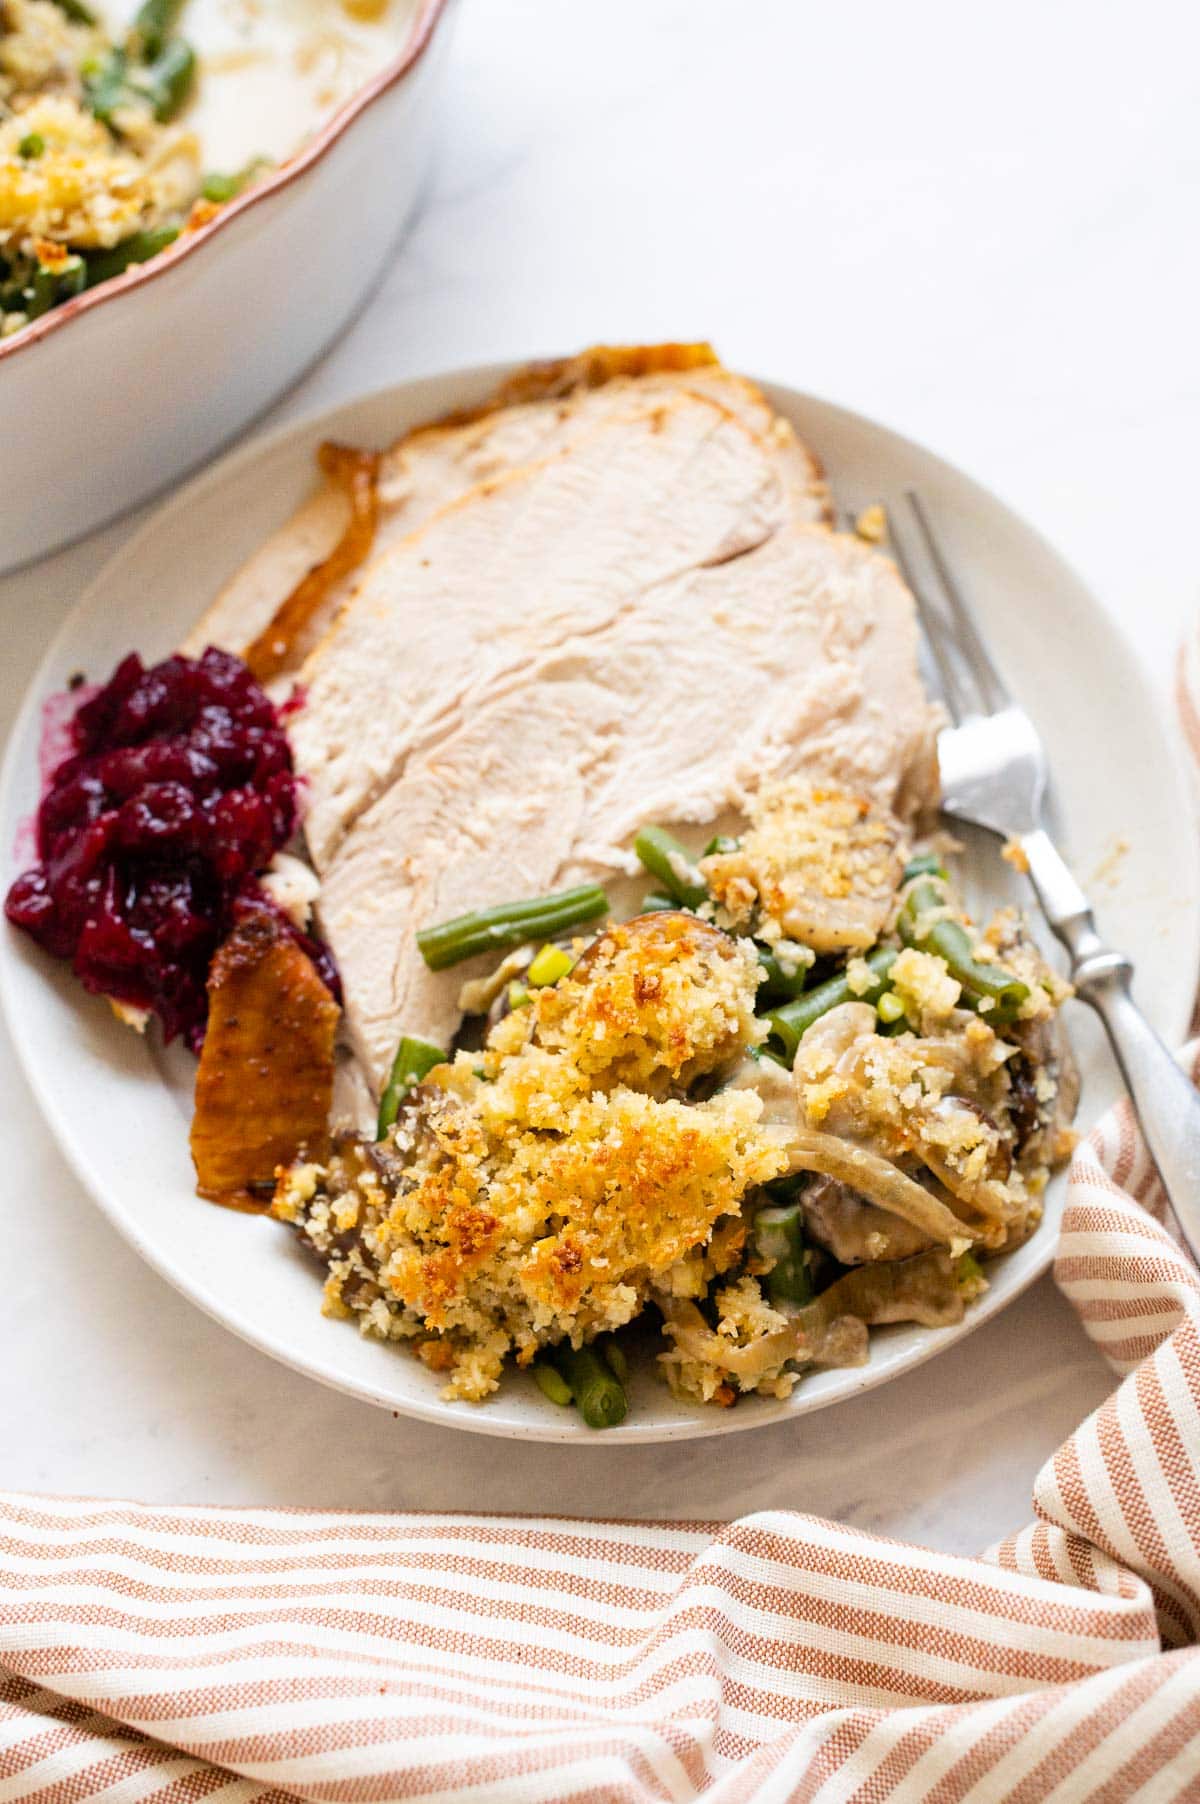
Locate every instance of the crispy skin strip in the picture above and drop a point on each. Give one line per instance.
(596, 366)
(556, 378)
(299, 620)
(265, 1079)
(880, 1182)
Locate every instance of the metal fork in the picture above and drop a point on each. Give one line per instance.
(993, 770)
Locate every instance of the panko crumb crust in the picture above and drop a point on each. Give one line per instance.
(819, 863)
(531, 1193)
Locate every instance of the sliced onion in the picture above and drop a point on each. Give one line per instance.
(832, 1329)
(879, 1181)
(693, 1336)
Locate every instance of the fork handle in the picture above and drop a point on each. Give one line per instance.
(1167, 1104)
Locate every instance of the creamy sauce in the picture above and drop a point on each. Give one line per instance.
(271, 71)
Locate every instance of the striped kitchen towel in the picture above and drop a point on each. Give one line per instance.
(184, 1654)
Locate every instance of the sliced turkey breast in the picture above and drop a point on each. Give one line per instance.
(798, 656)
(491, 814)
(437, 463)
(497, 581)
(536, 414)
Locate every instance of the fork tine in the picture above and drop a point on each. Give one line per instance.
(967, 635)
(952, 691)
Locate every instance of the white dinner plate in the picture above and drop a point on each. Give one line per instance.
(119, 1106)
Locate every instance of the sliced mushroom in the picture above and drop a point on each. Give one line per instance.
(854, 1231)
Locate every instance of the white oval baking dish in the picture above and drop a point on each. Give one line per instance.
(116, 393)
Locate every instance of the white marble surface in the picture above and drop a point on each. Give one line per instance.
(977, 226)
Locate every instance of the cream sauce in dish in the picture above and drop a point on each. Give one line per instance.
(271, 71)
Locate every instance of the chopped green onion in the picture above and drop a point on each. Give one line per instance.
(518, 995)
(509, 924)
(967, 1270)
(654, 903)
(721, 842)
(889, 1007)
(31, 146)
(220, 188)
(414, 1060)
(551, 963)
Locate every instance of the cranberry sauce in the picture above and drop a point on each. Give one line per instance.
(177, 792)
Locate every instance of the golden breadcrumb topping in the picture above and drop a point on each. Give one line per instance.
(85, 189)
(41, 50)
(823, 865)
(655, 1002)
(530, 1193)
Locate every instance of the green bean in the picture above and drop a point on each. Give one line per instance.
(655, 903)
(509, 924)
(106, 85)
(552, 1384)
(138, 249)
(153, 24)
(76, 11)
(920, 926)
(415, 1059)
(779, 1240)
(664, 858)
(598, 1392)
(113, 81)
(40, 294)
(776, 981)
(788, 1024)
(614, 1358)
(52, 285)
(167, 81)
(925, 864)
